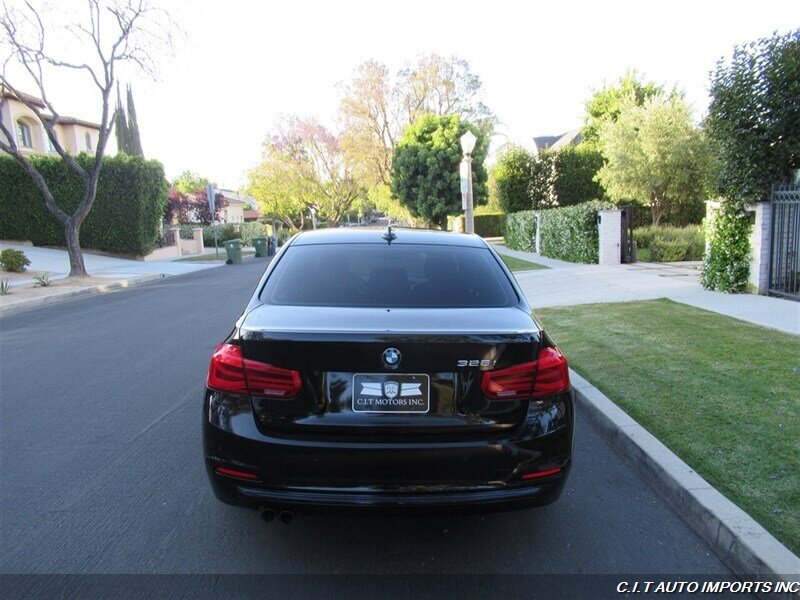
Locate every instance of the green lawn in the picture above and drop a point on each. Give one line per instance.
(211, 257)
(724, 395)
(517, 264)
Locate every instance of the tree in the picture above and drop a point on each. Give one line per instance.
(654, 154)
(185, 208)
(133, 136)
(606, 103)
(109, 36)
(426, 168)
(576, 169)
(754, 116)
(304, 168)
(376, 106)
(189, 181)
(543, 178)
(120, 125)
(438, 85)
(513, 173)
(127, 126)
(281, 189)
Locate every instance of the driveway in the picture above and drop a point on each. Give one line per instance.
(102, 459)
(565, 284)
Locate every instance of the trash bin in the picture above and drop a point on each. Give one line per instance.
(271, 246)
(234, 250)
(260, 244)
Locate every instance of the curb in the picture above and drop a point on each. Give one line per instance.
(736, 538)
(22, 305)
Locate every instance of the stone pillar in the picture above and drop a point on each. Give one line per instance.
(537, 244)
(197, 235)
(760, 239)
(458, 224)
(176, 232)
(609, 229)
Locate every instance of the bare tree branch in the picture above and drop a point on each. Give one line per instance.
(112, 33)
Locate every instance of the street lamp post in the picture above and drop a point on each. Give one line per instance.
(467, 146)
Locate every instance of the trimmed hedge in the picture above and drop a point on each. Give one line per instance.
(568, 233)
(228, 231)
(490, 224)
(521, 230)
(125, 217)
(575, 170)
(671, 244)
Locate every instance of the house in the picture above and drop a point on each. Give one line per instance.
(234, 212)
(252, 214)
(75, 135)
(554, 142)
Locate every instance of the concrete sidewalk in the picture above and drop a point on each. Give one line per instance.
(56, 261)
(569, 283)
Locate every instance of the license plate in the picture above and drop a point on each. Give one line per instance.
(387, 393)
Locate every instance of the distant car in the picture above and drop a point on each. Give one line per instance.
(387, 371)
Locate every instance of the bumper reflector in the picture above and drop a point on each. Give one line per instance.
(236, 473)
(542, 474)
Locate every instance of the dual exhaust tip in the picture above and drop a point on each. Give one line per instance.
(270, 514)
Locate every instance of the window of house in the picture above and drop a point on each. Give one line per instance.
(24, 137)
(88, 138)
(50, 146)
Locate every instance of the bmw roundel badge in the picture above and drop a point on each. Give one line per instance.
(392, 357)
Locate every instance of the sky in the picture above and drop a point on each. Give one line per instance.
(239, 64)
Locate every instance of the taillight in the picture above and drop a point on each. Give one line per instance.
(230, 372)
(510, 383)
(550, 371)
(226, 371)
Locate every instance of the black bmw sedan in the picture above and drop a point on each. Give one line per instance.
(387, 370)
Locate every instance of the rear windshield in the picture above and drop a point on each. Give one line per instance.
(398, 276)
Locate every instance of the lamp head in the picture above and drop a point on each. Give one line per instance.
(468, 142)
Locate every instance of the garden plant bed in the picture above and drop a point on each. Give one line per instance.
(724, 395)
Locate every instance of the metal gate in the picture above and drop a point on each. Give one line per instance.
(627, 245)
(784, 258)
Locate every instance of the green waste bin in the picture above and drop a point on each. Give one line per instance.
(234, 250)
(260, 244)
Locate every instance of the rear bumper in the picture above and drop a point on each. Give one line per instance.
(361, 502)
(324, 474)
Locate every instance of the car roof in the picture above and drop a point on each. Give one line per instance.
(349, 235)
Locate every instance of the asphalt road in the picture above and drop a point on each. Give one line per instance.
(102, 468)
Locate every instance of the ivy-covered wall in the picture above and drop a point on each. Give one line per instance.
(567, 233)
(125, 217)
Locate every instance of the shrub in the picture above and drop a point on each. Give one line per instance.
(726, 267)
(570, 232)
(670, 244)
(125, 217)
(512, 179)
(42, 280)
(5, 287)
(234, 231)
(543, 176)
(490, 225)
(14, 261)
(520, 232)
(575, 169)
(425, 167)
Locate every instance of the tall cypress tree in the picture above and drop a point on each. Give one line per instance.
(121, 125)
(134, 140)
